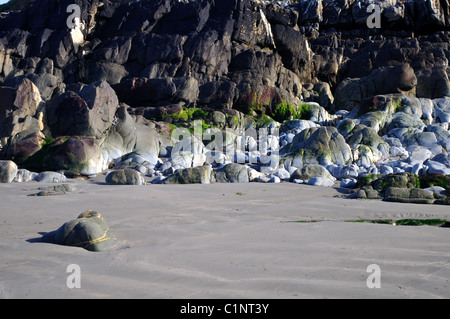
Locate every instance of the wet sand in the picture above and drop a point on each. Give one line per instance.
(221, 241)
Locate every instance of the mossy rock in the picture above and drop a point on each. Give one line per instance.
(69, 154)
(430, 180)
(89, 231)
(405, 195)
(381, 183)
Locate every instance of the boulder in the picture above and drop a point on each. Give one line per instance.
(50, 177)
(89, 231)
(194, 175)
(88, 112)
(406, 195)
(311, 170)
(323, 145)
(55, 190)
(74, 155)
(232, 173)
(125, 177)
(8, 171)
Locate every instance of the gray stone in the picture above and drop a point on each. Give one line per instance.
(407, 195)
(311, 170)
(8, 171)
(232, 173)
(125, 177)
(88, 231)
(50, 177)
(193, 175)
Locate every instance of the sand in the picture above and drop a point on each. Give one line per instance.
(221, 241)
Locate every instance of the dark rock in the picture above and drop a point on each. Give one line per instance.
(140, 91)
(89, 112)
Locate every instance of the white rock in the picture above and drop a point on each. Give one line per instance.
(50, 177)
(321, 181)
(348, 183)
(386, 169)
(436, 167)
(274, 179)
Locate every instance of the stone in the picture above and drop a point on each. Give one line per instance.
(24, 175)
(8, 171)
(348, 183)
(74, 155)
(125, 177)
(322, 145)
(89, 231)
(311, 170)
(50, 177)
(195, 175)
(88, 112)
(232, 173)
(55, 190)
(321, 181)
(437, 168)
(406, 195)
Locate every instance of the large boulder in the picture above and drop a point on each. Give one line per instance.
(232, 173)
(309, 171)
(8, 171)
(74, 155)
(89, 231)
(193, 175)
(322, 145)
(125, 177)
(89, 110)
(385, 80)
(409, 195)
(130, 134)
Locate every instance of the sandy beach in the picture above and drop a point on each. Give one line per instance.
(221, 241)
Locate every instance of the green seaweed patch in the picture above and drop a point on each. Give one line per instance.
(405, 222)
(429, 180)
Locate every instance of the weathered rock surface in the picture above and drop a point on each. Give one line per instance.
(125, 177)
(8, 171)
(89, 231)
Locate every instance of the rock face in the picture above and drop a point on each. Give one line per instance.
(257, 90)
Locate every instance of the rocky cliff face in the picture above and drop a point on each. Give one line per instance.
(131, 70)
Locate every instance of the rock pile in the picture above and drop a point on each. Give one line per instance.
(206, 91)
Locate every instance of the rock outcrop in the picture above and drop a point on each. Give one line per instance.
(227, 90)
